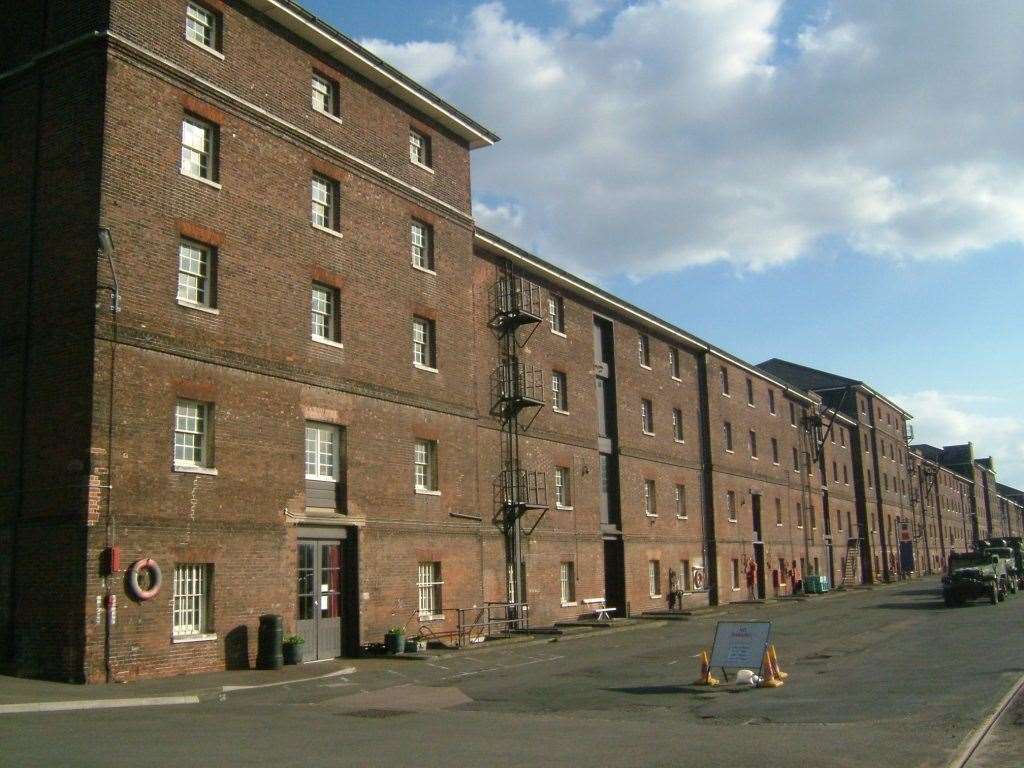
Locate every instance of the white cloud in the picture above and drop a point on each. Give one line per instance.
(585, 11)
(423, 61)
(681, 133)
(942, 418)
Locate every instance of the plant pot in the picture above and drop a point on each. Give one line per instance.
(292, 653)
(394, 642)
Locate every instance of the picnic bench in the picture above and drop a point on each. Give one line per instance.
(597, 605)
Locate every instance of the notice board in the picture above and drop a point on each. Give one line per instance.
(740, 644)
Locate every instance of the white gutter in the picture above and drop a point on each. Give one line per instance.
(356, 58)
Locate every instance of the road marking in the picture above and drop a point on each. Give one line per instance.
(338, 673)
(65, 706)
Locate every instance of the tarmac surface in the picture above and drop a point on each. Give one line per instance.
(878, 677)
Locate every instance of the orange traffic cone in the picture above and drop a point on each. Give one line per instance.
(770, 678)
(775, 663)
(706, 678)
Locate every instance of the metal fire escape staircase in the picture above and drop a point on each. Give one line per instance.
(517, 394)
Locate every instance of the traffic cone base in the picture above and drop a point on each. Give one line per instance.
(769, 672)
(775, 663)
(706, 678)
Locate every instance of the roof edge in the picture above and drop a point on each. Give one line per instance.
(331, 41)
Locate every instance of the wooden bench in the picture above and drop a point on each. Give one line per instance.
(601, 611)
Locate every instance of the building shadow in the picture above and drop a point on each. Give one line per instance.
(937, 605)
(236, 648)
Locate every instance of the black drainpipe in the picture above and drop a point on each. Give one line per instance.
(707, 484)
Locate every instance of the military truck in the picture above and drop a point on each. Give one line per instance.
(1016, 543)
(1007, 568)
(972, 575)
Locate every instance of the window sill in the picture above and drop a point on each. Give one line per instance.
(439, 617)
(189, 469)
(427, 492)
(559, 333)
(775, 463)
(649, 434)
(328, 115)
(198, 307)
(755, 458)
(729, 450)
(421, 367)
(734, 520)
(653, 516)
(426, 168)
(569, 508)
(328, 230)
(327, 342)
(750, 405)
(559, 411)
(212, 51)
(682, 517)
(570, 605)
(655, 597)
(677, 440)
(207, 182)
(735, 589)
(646, 367)
(677, 378)
(778, 525)
(726, 394)
(194, 638)
(322, 479)
(427, 270)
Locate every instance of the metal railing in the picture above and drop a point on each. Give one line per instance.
(477, 623)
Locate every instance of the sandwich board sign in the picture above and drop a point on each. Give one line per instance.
(740, 644)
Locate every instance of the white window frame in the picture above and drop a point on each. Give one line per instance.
(677, 426)
(419, 149)
(202, 28)
(199, 157)
(559, 392)
(190, 603)
(192, 435)
(324, 96)
(563, 488)
(650, 498)
(424, 343)
(421, 245)
(567, 583)
(325, 314)
(556, 314)
(654, 578)
(425, 466)
(674, 365)
(196, 265)
(325, 194)
(646, 416)
(430, 591)
(323, 441)
(644, 350)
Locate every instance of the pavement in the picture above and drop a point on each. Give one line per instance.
(882, 677)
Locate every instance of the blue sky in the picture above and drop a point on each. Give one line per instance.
(840, 186)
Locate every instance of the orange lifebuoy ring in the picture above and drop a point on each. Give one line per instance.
(137, 567)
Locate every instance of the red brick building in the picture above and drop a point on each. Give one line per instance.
(299, 379)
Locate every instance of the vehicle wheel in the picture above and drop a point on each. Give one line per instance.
(993, 594)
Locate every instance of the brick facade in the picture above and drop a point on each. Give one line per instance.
(89, 459)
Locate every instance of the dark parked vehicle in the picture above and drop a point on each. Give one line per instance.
(973, 575)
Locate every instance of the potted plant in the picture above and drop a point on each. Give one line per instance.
(415, 645)
(394, 640)
(292, 649)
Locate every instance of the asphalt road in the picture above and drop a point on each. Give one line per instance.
(885, 677)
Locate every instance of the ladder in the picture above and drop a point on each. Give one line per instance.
(850, 563)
